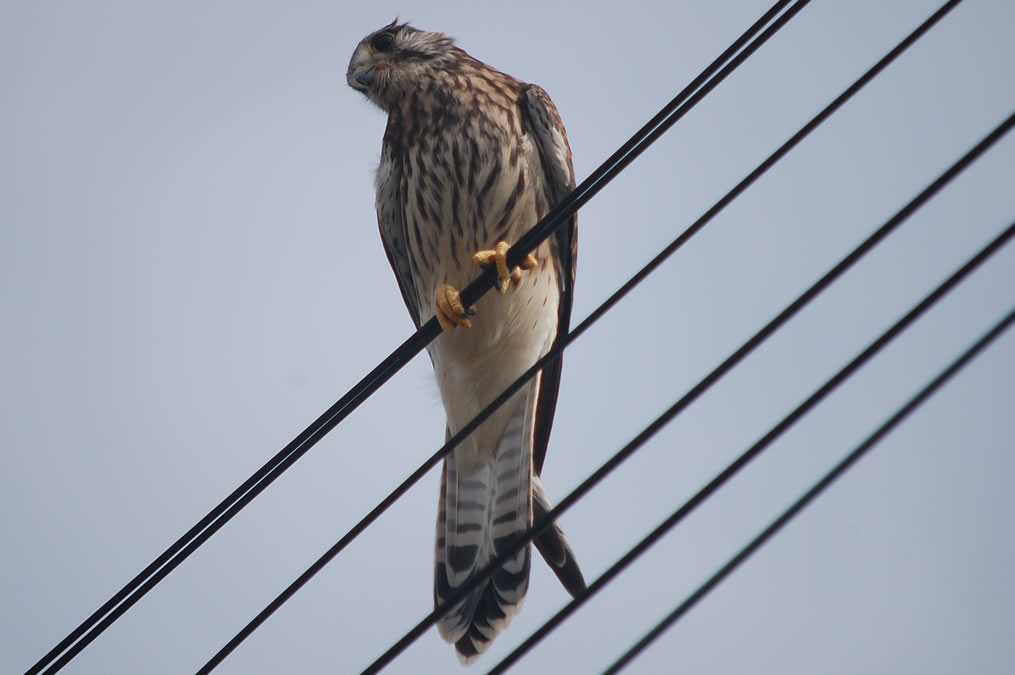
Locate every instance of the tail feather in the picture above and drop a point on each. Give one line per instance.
(466, 518)
(481, 514)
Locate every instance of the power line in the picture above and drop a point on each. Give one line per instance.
(789, 420)
(145, 580)
(564, 340)
(818, 487)
(539, 526)
(334, 420)
(482, 416)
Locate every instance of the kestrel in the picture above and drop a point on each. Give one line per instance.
(471, 159)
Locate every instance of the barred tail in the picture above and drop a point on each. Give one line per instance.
(480, 514)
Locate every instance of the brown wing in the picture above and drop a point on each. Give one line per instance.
(544, 124)
(391, 222)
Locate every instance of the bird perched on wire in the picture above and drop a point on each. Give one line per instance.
(471, 159)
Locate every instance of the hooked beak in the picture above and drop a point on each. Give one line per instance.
(363, 77)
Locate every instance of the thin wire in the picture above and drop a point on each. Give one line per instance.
(145, 580)
(788, 421)
(659, 128)
(564, 342)
(542, 524)
(818, 487)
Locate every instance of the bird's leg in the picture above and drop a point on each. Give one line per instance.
(498, 256)
(448, 304)
(449, 310)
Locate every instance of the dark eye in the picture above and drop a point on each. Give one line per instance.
(383, 42)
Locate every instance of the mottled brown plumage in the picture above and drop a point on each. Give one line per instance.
(472, 157)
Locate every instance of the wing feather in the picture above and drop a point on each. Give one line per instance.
(547, 130)
(391, 221)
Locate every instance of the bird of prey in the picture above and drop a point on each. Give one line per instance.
(472, 158)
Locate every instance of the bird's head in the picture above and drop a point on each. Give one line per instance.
(389, 62)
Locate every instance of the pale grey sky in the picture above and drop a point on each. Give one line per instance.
(190, 273)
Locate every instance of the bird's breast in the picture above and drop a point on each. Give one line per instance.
(463, 193)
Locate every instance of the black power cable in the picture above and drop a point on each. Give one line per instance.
(756, 449)
(145, 580)
(840, 468)
(539, 526)
(564, 341)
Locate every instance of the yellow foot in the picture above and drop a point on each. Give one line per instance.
(498, 256)
(449, 310)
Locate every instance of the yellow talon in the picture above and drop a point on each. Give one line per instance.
(449, 309)
(498, 256)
